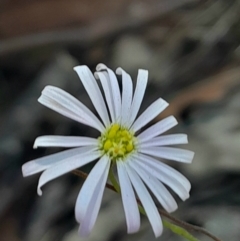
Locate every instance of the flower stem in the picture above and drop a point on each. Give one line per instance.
(184, 225)
(174, 228)
(178, 230)
(113, 180)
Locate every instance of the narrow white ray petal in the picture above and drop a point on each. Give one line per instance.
(157, 129)
(105, 81)
(115, 89)
(127, 94)
(66, 166)
(89, 187)
(65, 104)
(157, 188)
(64, 141)
(129, 200)
(92, 88)
(91, 213)
(149, 114)
(94, 204)
(138, 94)
(70, 103)
(42, 163)
(146, 200)
(51, 104)
(166, 174)
(169, 153)
(173, 139)
(168, 170)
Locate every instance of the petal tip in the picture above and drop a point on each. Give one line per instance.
(173, 208)
(40, 99)
(76, 68)
(39, 191)
(24, 170)
(119, 71)
(48, 88)
(184, 198)
(83, 232)
(158, 232)
(101, 67)
(80, 68)
(36, 143)
(35, 146)
(133, 229)
(191, 156)
(143, 73)
(173, 119)
(164, 102)
(96, 75)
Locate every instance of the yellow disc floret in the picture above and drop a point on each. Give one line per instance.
(117, 142)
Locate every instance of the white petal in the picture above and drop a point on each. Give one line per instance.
(71, 103)
(89, 188)
(105, 81)
(64, 141)
(115, 89)
(127, 93)
(146, 200)
(138, 94)
(157, 188)
(50, 103)
(65, 104)
(157, 129)
(92, 88)
(87, 223)
(42, 163)
(149, 114)
(129, 200)
(65, 166)
(173, 139)
(169, 153)
(166, 174)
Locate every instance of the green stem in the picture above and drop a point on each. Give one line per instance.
(113, 180)
(185, 226)
(174, 228)
(178, 230)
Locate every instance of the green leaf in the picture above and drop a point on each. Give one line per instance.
(179, 230)
(173, 227)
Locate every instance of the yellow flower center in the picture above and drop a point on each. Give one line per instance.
(117, 142)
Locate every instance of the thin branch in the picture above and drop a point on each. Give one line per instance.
(188, 226)
(179, 222)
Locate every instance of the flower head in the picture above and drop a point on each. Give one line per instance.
(136, 155)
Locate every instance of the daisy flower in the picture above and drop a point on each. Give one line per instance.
(120, 143)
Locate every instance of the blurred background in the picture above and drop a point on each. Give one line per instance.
(192, 50)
